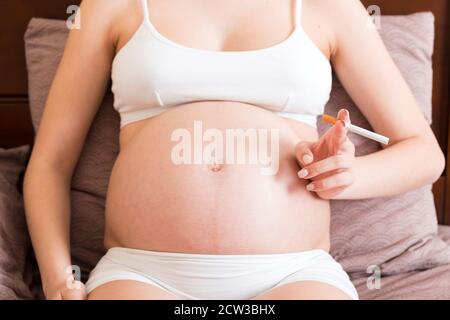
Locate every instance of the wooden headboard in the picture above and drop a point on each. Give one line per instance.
(15, 123)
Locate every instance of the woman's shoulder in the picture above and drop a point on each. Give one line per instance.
(335, 6)
(107, 5)
(108, 12)
(338, 19)
(337, 12)
(106, 18)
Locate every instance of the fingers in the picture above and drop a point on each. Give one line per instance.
(344, 115)
(336, 136)
(339, 180)
(76, 291)
(331, 194)
(340, 131)
(324, 166)
(303, 153)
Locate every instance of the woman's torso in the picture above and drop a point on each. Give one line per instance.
(155, 204)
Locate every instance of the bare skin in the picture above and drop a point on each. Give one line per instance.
(363, 66)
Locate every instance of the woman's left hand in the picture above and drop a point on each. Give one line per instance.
(328, 162)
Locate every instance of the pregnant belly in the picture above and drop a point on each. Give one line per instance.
(214, 177)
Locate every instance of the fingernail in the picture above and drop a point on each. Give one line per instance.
(307, 159)
(347, 116)
(310, 187)
(302, 173)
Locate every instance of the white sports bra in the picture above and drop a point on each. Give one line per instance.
(152, 73)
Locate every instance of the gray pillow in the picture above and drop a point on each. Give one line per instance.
(14, 240)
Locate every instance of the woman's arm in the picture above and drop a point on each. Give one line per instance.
(76, 92)
(369, 75)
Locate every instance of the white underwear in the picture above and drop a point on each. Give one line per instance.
(213, 276)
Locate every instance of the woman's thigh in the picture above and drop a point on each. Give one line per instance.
(129, 290)
(304, 290)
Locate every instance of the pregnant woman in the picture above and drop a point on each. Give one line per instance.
(188, 74)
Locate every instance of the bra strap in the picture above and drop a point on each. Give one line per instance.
(298, 13)
(145, 10)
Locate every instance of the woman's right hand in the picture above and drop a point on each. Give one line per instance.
(70, 290)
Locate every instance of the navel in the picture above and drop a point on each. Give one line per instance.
(214, 166)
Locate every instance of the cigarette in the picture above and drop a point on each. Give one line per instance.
(358, 130)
